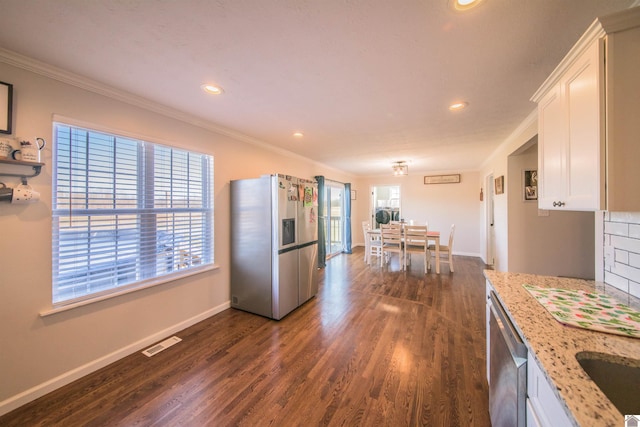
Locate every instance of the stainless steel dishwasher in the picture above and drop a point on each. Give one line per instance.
(508, 370)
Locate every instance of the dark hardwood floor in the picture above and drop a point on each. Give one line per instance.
(375, 347)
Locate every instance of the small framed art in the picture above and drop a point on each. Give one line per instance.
(530, 181)
(6, 103)
(499, 182)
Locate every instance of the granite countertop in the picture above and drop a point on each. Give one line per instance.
(555, 345)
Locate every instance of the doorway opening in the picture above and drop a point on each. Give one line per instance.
(491, 236)
(385, 204)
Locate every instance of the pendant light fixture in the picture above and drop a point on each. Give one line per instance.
(400, 168)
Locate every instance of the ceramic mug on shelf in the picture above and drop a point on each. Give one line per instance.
(6, 148)
(29, 150)
(24, 193)
(6, 193)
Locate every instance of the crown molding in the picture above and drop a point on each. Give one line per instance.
(609, 24)
(32, 65)
(593, 33)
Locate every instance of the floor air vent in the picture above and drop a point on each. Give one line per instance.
(152, 351)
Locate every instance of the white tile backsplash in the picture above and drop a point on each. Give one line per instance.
(617, 228)
(622, 233)
(622, 256)
(624, 270)
(634, 260)
(628, 217)
(616, 281)
(626, 243)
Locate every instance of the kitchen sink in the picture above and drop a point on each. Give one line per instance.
(617, 377)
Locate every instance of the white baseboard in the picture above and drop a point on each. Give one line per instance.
(40, 390)
(471, 254)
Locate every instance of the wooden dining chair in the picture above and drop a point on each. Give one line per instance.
(391, 239)
(372, 243)
(415, 241)
(444, 249)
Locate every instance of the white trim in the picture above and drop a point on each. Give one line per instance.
(24, 62)
(40, 390)
(599, 246)
(455, 253)
(156, 281)
(599, 28)
(593, 33)
(471, 254)
(90, 126)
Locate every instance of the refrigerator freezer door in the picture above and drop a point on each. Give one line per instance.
(308, 275)
(285, 284)
(307, 212)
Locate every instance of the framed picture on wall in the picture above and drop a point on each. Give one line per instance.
(6, 102)
(499, 181)
(530, 181)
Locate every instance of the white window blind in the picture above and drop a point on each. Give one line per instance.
(126, 212)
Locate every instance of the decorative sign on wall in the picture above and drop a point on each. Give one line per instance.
(530, 185)
(442, 179)
(6, 102)
(499, 181)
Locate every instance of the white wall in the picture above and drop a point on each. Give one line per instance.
(563, 243)
(440, 204)
(497, 165)
(38, 353)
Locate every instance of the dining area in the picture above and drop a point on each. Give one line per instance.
(404, 240)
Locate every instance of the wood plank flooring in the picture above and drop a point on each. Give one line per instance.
(375, 347)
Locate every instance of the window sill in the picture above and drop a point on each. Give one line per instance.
(58, 308)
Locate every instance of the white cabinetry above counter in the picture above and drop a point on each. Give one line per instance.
(588, 127)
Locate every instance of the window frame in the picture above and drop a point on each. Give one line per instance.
(145, 178)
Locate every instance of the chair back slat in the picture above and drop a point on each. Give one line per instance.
(415, 235)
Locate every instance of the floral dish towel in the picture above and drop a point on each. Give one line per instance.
(588, 310)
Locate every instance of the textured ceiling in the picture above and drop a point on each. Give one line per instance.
(367, 81)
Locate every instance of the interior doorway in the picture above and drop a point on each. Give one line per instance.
(385, 204)
(490, 225)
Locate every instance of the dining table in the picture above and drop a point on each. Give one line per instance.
(431, 236)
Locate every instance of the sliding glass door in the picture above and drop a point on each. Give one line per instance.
(334, 198)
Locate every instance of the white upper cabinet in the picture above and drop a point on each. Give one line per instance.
(589, 121)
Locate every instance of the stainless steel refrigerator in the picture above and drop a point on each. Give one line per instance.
(274, 244)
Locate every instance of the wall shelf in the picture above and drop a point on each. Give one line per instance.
(36, 167)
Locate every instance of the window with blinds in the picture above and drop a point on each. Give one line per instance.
(126, 213)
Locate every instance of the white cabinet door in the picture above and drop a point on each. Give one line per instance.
(551, 149)
(584, 93)
(532, 417)
(588, 128)
(543, 405)
(570, 138)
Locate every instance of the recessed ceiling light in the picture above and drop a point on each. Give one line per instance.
(212, 89)
(458, 106)
(463, 5)
(298, 134)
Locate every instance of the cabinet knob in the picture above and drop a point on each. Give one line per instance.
(558, 204)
